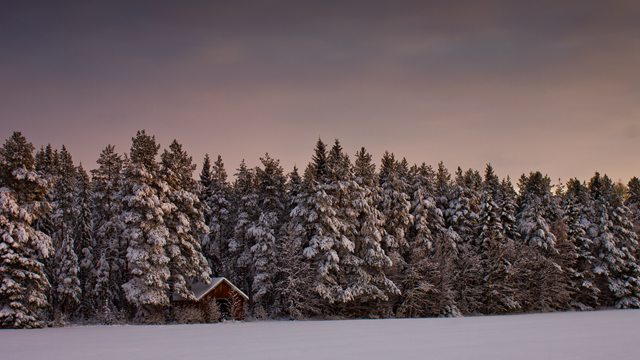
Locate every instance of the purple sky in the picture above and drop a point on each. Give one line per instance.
(551, 86)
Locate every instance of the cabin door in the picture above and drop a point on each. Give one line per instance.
(225, 308)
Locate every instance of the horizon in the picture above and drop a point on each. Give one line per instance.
(231, 169)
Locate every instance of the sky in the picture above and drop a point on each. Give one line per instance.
(524, 85)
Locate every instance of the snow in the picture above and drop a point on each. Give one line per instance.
(587, 335)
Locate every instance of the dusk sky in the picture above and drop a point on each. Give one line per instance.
(538, 85)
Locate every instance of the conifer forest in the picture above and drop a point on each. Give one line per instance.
(348, 236)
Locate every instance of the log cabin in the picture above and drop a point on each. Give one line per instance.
(231, 301)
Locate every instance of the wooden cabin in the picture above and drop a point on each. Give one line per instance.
(231, 301)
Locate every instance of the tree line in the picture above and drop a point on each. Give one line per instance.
(344, 239)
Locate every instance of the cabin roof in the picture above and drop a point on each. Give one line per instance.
(200, 289)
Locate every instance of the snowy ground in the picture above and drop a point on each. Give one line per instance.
(594, 335)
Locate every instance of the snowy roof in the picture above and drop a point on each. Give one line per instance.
(200, 289)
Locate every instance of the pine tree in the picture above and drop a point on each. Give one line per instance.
(293, 187)
(24, 284)
(185, 223)
(145, 206)
(395, 206)
(614, 245)
(508, 205)
(85, 244)
(67, 290)
(534, 222)
(625, 280)
(633, 203)
(538, 216)
(218, 201)
(415, 285)
(369, 281)
(204, 185)
(270, 189)
(577, 209)
(497, 249)
(110, 253)
(245, 204)
(316, 215)
(461, 213)
(295, 277)
(46, 164)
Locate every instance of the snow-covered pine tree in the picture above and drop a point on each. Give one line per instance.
(368, 280)
(185, 223)
(632, 201)
(204, 184)
(293, 187)
(67, 290)
(416, 287)
(606, 253)
(46, 164)
(538, 213)
(219, 217)
(459, 200)
(461, 213)
(294, 277)
(508, 205)
(498, 255)
(45, 160)
(110, 253)
(534, 222)
(145, 206)
(616, 246)
(85, 244)
(245, 203)
(430, 272)
(577, 215)
(443, 187)
(395, 206)
(625, 283)
(271, 201)
(318, 221)
(24, 284)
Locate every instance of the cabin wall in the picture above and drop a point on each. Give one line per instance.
(222, 291)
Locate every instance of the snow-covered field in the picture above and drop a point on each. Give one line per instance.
(593, 335)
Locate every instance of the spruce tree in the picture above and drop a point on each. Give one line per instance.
(295, 276)
(85, 243)
(461, 213)
(24, 284)
(632, 201)
(110, 252)
(145, 206)
(534, 222)
(46, 164)
(67, 289)
(498, 254)
(185, 223)
(218, 198)
(537, 218)
(322, 229)
(270, 190)
(204, 184)
(578, 216)
(245, 204)
(395, 206)
(369, 280)
(625, 284)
